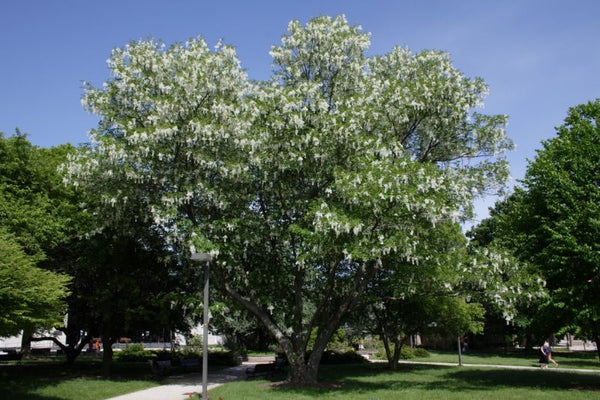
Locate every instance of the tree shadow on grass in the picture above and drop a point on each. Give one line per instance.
(358, 380)
(365, 380)
(24, 389)
(22, 381)
(547, 379)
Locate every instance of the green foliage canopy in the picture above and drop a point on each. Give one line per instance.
(552, 222)
(30, 297)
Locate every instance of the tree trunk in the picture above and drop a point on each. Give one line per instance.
(396, 356)
(71, 350)
(303, 373)
(328, 318)
(388, 350)
(529, 340)
(107, 355)
(596, 325)
(392, 356)
(74, 349)
(26, 342)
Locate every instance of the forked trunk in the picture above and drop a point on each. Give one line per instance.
(392, 356)
(327, 319)
(303, 370)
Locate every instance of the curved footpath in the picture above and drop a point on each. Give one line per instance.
(181, 386)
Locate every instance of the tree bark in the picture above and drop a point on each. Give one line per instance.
(392, 356)
(303, 373)
(397, 352)
(26, 342)
(386, 344)
(107, 355)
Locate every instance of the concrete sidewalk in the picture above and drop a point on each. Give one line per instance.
(179, 387)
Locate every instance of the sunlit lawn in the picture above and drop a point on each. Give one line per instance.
(581, 360)
(424, 382)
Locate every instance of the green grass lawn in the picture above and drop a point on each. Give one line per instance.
(412, 382)
(581, 360)
(49, 379)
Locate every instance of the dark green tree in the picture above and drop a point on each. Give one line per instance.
(444, 292)
(563, 184)
(36, 208)
(122, 281)
(553, 223)
(30, 297)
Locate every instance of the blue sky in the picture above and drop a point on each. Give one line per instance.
(538, 57)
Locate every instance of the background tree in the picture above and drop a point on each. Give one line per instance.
(131, 287)
(405, 299)
(45, 218)
(552, 222)
(509, 227)
(564, 187)
(30, 298)
(302, 185)
(444, 293)
(35, 207)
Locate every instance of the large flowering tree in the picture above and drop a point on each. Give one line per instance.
(301, 186)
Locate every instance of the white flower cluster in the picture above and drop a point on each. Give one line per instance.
(359, 151)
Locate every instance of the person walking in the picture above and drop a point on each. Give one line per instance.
(549, 354)
(544, 355)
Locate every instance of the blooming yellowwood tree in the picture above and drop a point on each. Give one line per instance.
(301, 186)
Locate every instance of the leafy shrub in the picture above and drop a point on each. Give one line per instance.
(406, 353)
(421, 352)
(219, 357)
(342, 357)
(225, 357)
(163, 355)
(134, 353)
(373, 343)
(194, 345)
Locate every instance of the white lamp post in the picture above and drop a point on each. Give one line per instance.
(205, 258)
